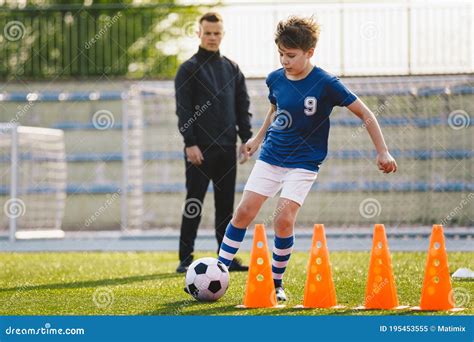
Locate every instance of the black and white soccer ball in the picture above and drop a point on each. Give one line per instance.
(207, 279)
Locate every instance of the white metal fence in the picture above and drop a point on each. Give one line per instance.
(392, 38)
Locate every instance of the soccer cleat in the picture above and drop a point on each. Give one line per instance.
(280, 294)
(183, 266)
(236, 266)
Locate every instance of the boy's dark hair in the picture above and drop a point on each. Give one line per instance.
(212, 17)
(297, 33)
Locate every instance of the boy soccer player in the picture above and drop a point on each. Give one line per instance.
(295, 137)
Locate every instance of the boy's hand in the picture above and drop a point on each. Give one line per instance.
(252, 146)
(386, 163)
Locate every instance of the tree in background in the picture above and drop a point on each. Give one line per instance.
(59, 39)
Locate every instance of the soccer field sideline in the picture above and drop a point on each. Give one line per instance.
(339, 239)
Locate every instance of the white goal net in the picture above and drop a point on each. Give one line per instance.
(33, 176)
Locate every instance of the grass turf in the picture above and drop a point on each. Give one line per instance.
(145, 284)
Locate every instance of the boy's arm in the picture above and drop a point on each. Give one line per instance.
(253, 143)
(385, 161)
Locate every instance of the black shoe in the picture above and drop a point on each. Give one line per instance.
(236, 266)
(183, 266)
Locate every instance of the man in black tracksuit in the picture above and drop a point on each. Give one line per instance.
(213, 108)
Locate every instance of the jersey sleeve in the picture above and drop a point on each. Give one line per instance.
(271, 95)
(339, 94)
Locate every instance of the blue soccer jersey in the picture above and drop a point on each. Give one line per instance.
(298, 137)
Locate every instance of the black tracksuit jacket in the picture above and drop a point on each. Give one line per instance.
(212, 103)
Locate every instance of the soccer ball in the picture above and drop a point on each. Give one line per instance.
(207, 279)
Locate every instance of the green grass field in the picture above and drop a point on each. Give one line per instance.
(145, 284)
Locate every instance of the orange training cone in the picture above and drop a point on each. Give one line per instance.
(381, 291)
(260, 290)
(437, 292)
(319, 291)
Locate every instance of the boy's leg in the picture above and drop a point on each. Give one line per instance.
(234, 235)
(284, 237)
(296, 185)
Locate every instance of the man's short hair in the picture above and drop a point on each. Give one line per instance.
(212, 17)
(297, 33)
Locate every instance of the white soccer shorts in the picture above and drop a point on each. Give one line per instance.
(267, 180)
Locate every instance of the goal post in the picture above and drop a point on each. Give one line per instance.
(33, 182)
(132, 205)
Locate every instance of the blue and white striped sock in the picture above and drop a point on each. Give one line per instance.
(231, 243)
(281, 255)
